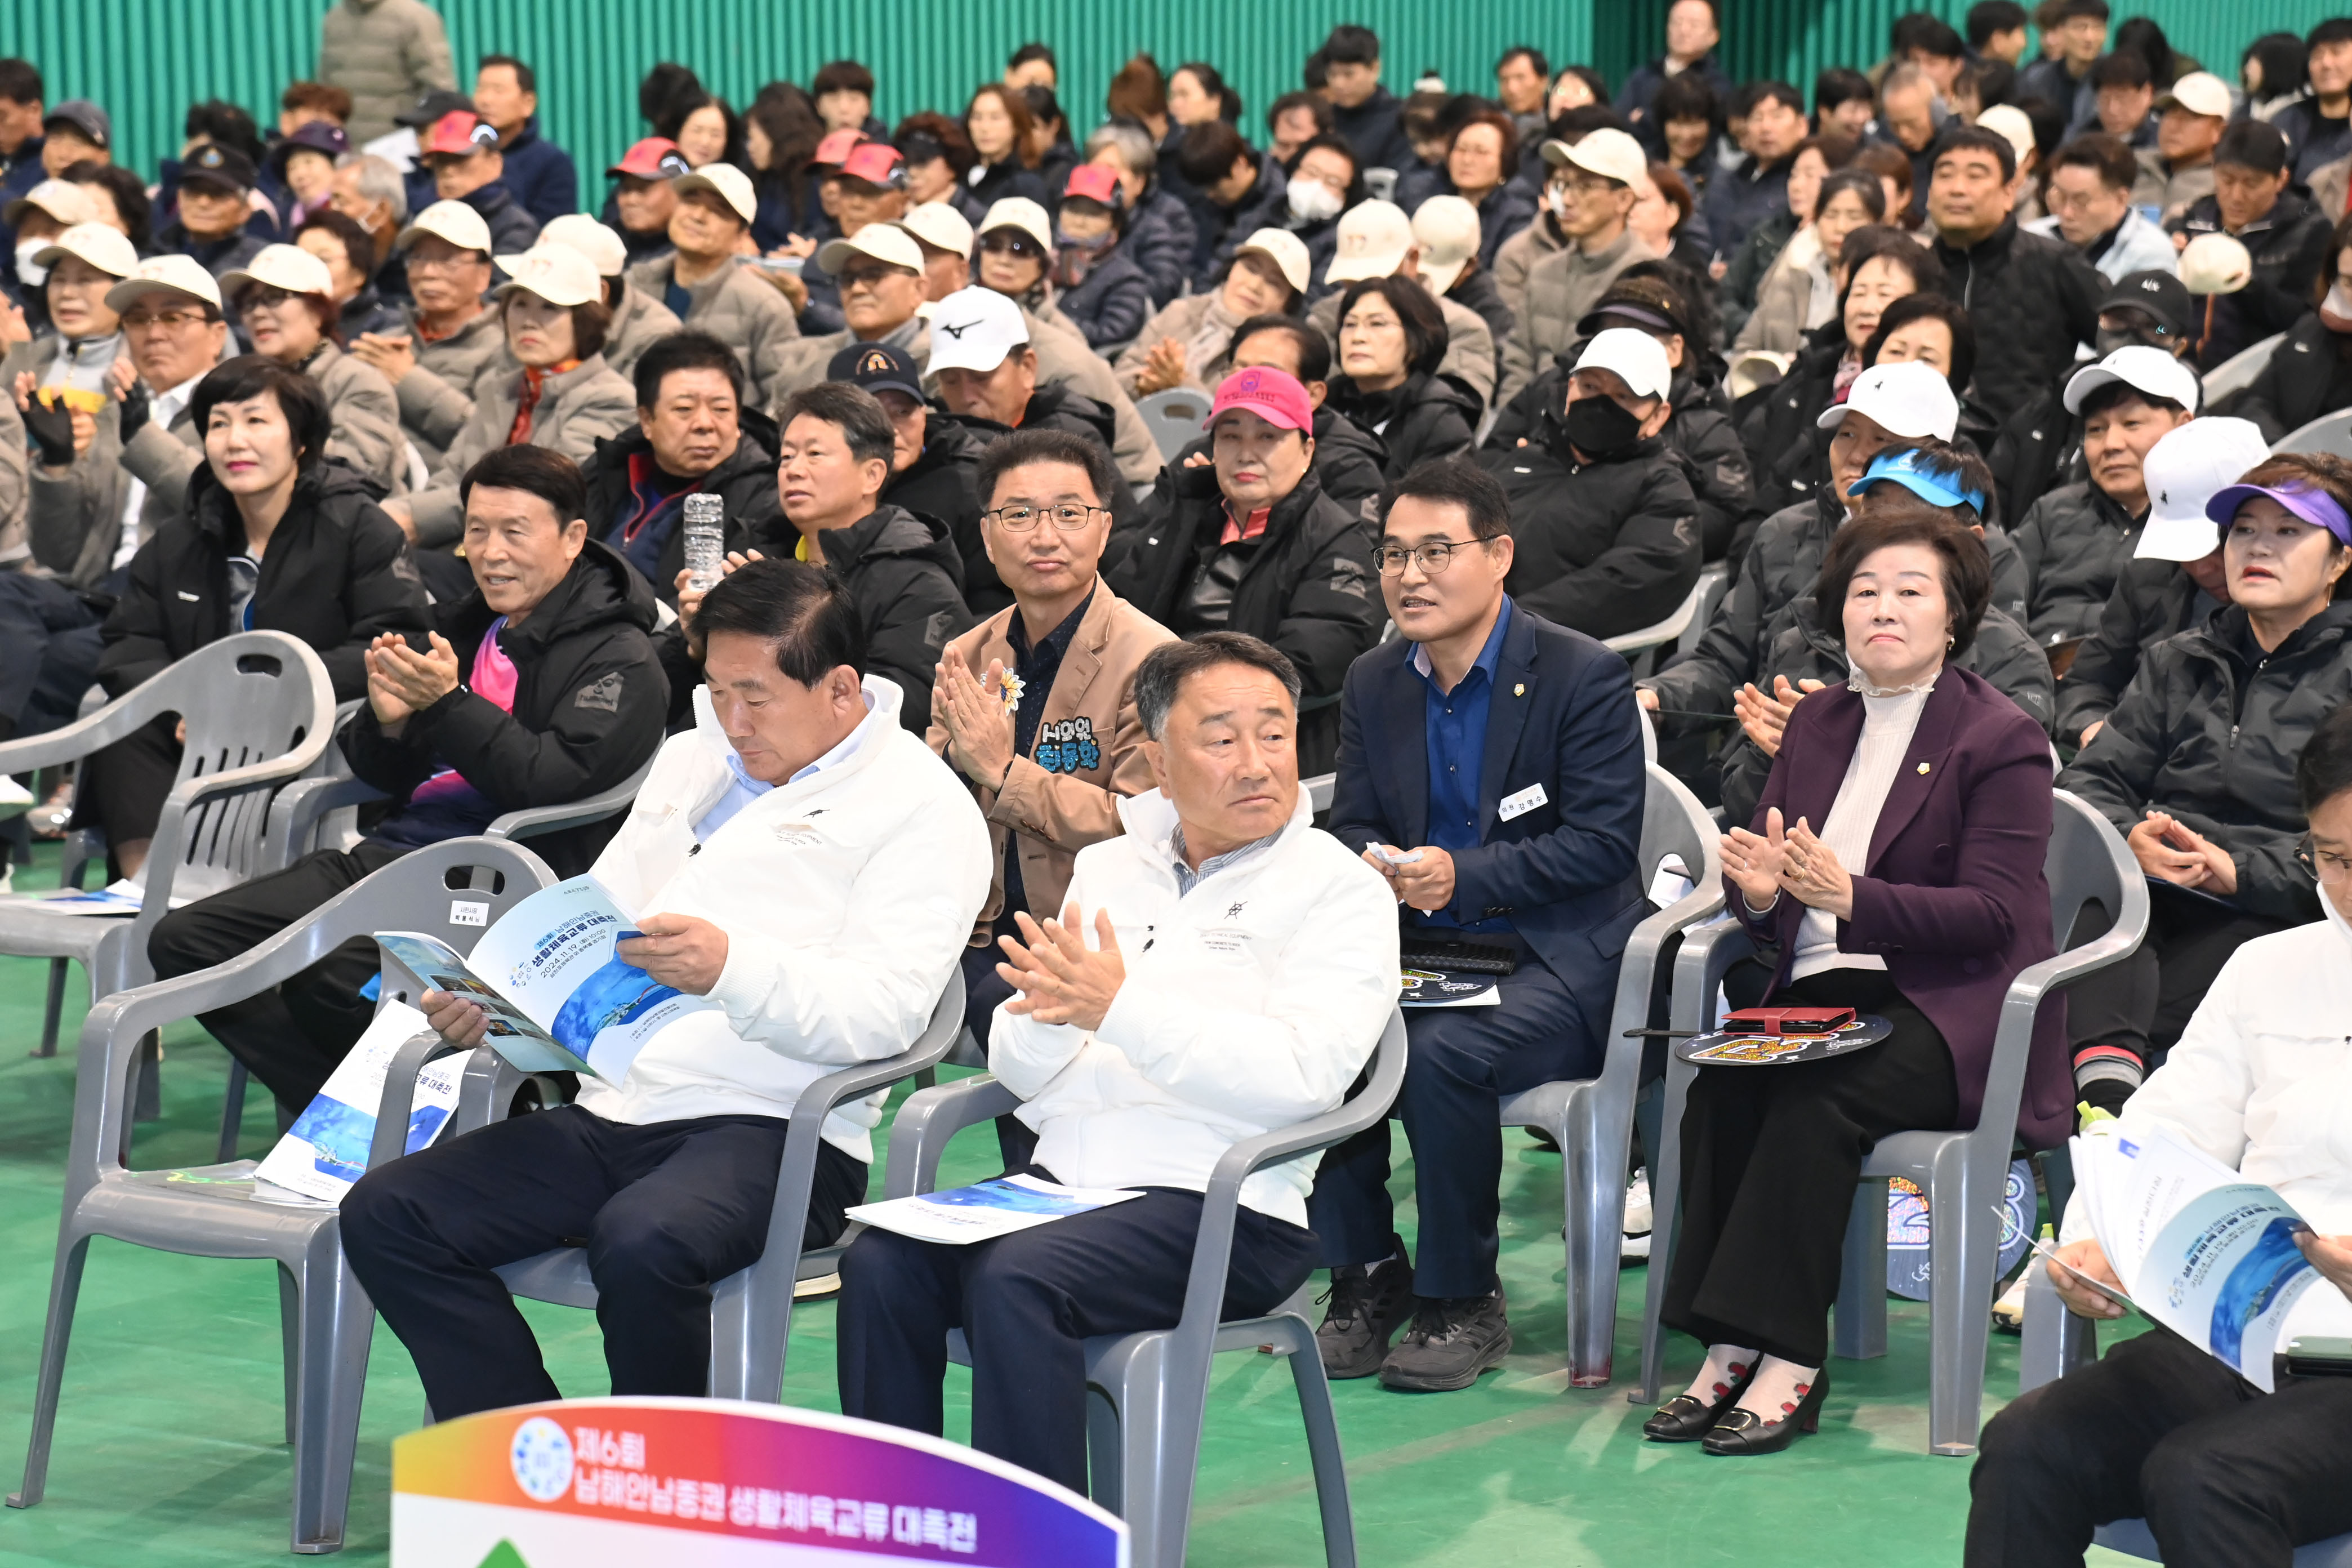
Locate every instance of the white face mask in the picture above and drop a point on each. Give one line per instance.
(31, 276)
(1311, 201)
(2338, 303)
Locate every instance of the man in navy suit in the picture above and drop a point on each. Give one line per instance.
(1508, 750)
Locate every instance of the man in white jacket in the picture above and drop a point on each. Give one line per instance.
(803, 861)
(1244, 965)
(2262, 1080)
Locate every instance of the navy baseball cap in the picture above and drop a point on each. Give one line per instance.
(877, 367)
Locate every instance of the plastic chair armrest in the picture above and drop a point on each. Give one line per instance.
(301, 805)
(928, 1118)
(531, 821)
(1318, 790)
(391, 1140)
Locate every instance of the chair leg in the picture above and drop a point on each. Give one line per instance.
(1297, 1341)
(53, 1013)
(336, 1324)
(1666, 1201)
(1963, 1252)
(1592, 1198)
(289, 1335)
(1861, 1275)
(65, 1288)
(232, 1111)
(1147, 1489)
(1106, 1474)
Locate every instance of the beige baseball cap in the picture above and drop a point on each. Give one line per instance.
(556, 273)
(602, 247)
(2199, 92)
(456, 222)
(103, 245)
(2215, 264)
(939, 226)
(1287, 251)
(884, 242)
(61, 200)
(1021, 213)
(731, 185)
(2008, 123)
(172, 274)
(1446, 230)
(287, 266)
(1607, 152)
(1372, 240)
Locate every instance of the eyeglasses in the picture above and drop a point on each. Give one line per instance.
(263, 297)
(2323, 865)
(1001, 242)
(1068, 517)
(1433, 557)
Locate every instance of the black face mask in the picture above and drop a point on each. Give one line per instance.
(2108, 340)
(1603, 429)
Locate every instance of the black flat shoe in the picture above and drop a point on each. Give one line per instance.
(1685, 1419)
(1744, 1432)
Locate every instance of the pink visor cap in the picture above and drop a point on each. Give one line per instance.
(1274, 395)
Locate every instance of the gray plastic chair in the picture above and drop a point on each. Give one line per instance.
(2057, 1343)
(2330, 433)
(752, 1309)
(259, 710)
(1150, 1391)
(1174, 417)
(1641, 646)
(1592, 1119)
(2241, 370)
(1963, 1173)
(210, 1211)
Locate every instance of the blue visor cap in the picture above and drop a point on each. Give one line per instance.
(1903, 467)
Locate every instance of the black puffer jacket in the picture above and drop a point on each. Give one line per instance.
(1348, 459)
(1788, 457)
(2288, 246)
(2035, 298)
(1218, 231)
(2002, 653)
(589, 706)
(1603, 548)
(745, 481)
(2152, 600)
(2075, 541)
(2308, 375)
(1429, 417)
(337, 574)
(1160, 239)
(906, 574)
(2208, 730)
(1308, 587)
(943, 482)
(1110, 305)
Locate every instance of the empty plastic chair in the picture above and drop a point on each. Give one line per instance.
(1641, 648)
(1963, 1173)
(1174, 417)
(210, 1211)
(2241, 370)
(2330, 433)
(1148, 1391)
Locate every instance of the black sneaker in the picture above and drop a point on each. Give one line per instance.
(1451, 1341)
(1367, 1306)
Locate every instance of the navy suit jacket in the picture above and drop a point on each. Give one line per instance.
(1562, 716)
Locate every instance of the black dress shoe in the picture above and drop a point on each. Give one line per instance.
(1744, 1432)
(1685, 1418)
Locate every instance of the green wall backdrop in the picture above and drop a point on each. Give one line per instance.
(147, 59)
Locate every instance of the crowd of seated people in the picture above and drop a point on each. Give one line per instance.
(1916, 391)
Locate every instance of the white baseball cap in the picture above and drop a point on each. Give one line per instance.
(1911, 399)
(2215, 264)
(1446, 229)
(885, 242)
(2187, 468)
(556, 273)
(1607, 152)
(102, 245)
(456, 222)
(939, 226)
(173, 274)
(731, 185)
(2199, 92)
(602, 247)
(974, 328)
(1639, 360)
(1021, 213)
(61, 199)
(1287, 251)
(2147, 370)
(2008, 123)
(1373, 237)
(287, 266)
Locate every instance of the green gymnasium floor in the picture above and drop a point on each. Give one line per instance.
(168, 1450)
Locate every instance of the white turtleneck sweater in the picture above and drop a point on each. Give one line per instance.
(1886, 725)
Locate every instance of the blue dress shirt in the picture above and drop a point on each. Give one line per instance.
(1455, 733)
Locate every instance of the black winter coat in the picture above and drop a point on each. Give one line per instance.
(745, 481)
(1348, 459)
(1429, 417)
(905, 573)
(2035, 297)
(590, 701)
(2152, 600)
(1218, 231)
(337, 574)
(2075, 541)
(2208, 730)
(512, 228)
(1110, 306)
(1603, 548)
(2308, 375)
(993, 182)
(2288, 246)
(1787, 454)
(944, 482)
(1160, 239)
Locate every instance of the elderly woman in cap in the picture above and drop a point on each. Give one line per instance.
(1188, 344)
(563, 396)
(638, 319)
(1848, 870)
(59, 379)
(285, 300)
(2196, 763)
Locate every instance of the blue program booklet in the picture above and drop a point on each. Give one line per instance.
(986, 1210)
(326, 1148)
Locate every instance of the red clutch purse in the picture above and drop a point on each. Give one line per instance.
(1779, 1021)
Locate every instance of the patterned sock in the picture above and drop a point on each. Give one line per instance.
(1726, 1366)
(2108, 1075)
(1778, 1388)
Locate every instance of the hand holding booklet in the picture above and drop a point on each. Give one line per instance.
(986, 1210)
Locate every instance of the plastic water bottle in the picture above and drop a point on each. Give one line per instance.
(706, 541)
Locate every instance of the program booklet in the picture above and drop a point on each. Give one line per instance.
(326, 1148)
(558, 998)
(986, 1210)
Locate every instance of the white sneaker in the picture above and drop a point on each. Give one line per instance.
(2009, 1313)
(1634, 1246)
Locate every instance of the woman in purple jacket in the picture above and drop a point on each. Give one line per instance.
(1897, 865)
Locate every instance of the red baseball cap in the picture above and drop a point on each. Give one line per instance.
(835, 147)
(460, 132)
(1095, 183)
(1274, 395)
(655, 158)
(876, 163)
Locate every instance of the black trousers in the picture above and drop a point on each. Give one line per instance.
(983, 989)
(1770, 1159)
(666, 1211)
(1026, 1303)
(2226, 1476)
(49, 644)
(292, 1037)
(2144, 1001)
(1460, 1061)
(121, 787)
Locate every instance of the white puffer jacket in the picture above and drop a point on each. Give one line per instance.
(847, 898)
(1250, 1004)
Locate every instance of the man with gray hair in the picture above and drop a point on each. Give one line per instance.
(1177, 1006)
(369, 192)
(1160, 230)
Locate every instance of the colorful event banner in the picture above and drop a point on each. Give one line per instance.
(702, 1483)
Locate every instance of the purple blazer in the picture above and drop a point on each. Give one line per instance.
(1953, 896)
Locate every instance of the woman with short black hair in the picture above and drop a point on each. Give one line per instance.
(1392, 337)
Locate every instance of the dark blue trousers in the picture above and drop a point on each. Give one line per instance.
(1462, 1062)
(1027, 1303)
